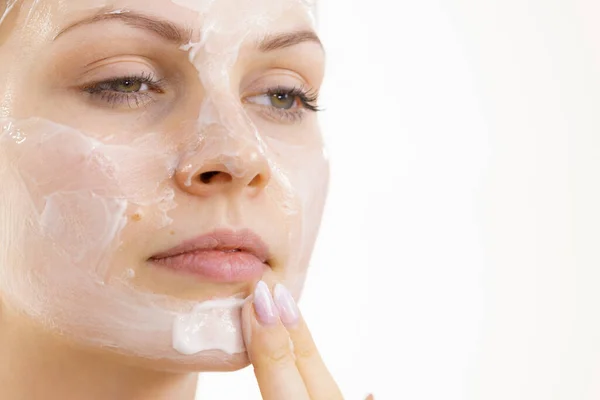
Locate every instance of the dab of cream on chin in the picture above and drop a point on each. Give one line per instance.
(211, 325)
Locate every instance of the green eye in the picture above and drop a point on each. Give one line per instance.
(285, 104)
(283, 101)
(133, 91)
(279, 101)
(124, 85)
(127, 86)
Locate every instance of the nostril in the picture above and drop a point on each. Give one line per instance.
(215, 177)
(207, 176)
(257, 181)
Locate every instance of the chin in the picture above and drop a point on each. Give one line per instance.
(157, 358)
(206, 361)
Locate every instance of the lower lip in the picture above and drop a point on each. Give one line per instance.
(216, 265)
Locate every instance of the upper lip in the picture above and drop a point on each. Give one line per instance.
(224, 240)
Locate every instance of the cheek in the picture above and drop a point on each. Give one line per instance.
(75, 194)
(302, 176)
(68, 199)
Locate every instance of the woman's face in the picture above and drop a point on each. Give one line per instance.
(131, 126)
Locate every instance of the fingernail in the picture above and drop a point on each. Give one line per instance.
(265, 308)
(286, 305)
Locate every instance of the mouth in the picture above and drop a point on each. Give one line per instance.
(223, 256)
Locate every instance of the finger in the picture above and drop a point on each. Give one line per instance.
(370, 397)
(269, 350)
(316, 376)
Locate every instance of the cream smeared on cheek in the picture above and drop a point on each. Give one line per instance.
(73, 198)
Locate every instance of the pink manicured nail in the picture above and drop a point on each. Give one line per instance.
(263, 304)
(287, 306)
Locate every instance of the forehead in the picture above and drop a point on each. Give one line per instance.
(225, 16)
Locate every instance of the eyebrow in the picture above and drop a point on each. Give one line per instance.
(287, 39)
(165, 29)
(180, 35)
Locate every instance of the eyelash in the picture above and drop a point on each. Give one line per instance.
(101, 90)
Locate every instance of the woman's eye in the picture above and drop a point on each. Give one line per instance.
(286, 104)
(129, 86)
(282, 101)
(132, 92)
(126, 85)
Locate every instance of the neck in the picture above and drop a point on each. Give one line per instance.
(37, 365)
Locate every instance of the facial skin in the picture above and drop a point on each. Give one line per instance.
(120, 142)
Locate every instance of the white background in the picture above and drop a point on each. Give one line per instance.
(459, 253)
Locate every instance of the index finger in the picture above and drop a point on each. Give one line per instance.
(314, 372)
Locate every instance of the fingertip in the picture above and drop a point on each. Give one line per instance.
(286, 304)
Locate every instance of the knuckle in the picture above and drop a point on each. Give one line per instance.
(306, 353)
(305, 350)
(280, 354)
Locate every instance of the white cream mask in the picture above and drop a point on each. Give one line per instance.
(91, 193)
(202, 329)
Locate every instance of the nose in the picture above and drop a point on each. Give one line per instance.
(245, 171)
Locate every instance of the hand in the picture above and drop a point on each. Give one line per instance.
(286, 361)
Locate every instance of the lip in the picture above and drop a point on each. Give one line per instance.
(221, 256)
